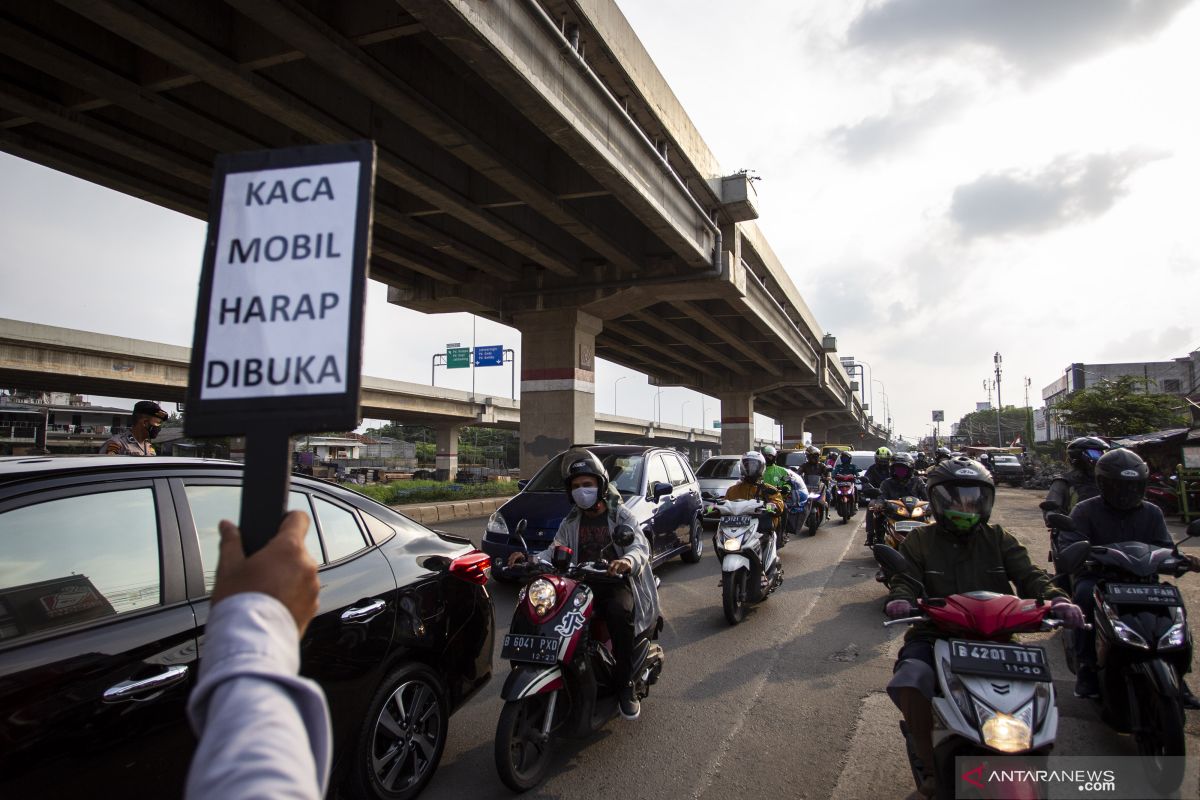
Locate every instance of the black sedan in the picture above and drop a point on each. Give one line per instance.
(106, 564)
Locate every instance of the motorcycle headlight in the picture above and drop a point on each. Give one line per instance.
(918, 512)
(732, 545)
(542, 596)
(1125, 633)
(1176, 636)
(1007, 733)
(497, 525)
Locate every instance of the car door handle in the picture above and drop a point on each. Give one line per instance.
(365, 613)
(131, 690)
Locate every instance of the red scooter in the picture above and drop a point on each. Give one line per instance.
(562, 681)
(845, 497)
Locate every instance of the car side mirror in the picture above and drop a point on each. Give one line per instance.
(1060, 521)
(660, 490)
(623, 536)
(521, 484)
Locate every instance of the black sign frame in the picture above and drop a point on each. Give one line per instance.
(311, 413)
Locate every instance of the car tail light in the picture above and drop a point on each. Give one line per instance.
(473, 567)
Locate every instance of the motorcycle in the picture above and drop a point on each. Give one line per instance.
(845, 497)
(750, 566)
(993, 696)
(900, 517)
(1163, 491)
(817, 501)
(1143, 645)
(562, 683)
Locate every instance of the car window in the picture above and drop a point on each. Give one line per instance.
(674, 470)
(380, 531)
(863, 462)
(339, 529)
(720, 468)
(1005, 460)
(624, 472)
(795, 458)
(211, 504)
(655, 472)
(688, 475)
(79, 558)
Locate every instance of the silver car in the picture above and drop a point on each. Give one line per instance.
(718, 473)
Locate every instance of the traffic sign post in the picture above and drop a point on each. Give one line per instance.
(277, 347)
(489, 355)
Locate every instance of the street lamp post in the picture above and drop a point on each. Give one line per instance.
(999, 405)
(618, 380)
(658, 406)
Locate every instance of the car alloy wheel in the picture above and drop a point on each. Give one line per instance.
(405, 734)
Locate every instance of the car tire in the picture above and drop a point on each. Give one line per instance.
(403, 735)
(696, 549)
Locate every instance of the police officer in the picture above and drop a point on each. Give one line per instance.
(145, 423)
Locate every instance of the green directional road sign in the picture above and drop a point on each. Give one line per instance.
(458, 358)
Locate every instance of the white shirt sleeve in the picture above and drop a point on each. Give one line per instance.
(263, 730)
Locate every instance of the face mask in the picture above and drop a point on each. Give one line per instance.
(152, 431)
(961, 521)
(585, 496)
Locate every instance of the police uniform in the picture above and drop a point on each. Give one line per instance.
(126, 444)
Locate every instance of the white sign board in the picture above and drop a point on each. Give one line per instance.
(279, 322)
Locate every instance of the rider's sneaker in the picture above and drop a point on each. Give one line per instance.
(631, 709)
(1086, 682)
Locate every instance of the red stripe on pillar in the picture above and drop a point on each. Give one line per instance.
(567, 373)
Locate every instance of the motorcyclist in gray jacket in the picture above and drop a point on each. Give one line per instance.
(629, 609)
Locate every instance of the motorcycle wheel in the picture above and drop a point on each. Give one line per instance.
(1162, 739)
(521, 758)
(733, 597)
(814, 522)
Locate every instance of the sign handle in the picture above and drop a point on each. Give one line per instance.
(265, 485)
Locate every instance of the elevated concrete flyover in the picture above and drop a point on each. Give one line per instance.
(45, 357)
(534, 168)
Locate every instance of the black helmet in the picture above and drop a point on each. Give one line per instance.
(961, 493)
(581, 461)
(941, 455)
(902, 467)
(846, 458)
(1121, 476)
(1085, 451)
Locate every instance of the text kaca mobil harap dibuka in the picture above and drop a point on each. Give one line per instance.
(278, 308)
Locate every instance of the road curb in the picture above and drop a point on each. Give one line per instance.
(429, 513)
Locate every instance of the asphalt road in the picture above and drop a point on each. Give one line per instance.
(789, 704)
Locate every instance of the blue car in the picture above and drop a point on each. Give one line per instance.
(657, 484)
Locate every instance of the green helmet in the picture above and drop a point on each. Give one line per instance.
(883, 457)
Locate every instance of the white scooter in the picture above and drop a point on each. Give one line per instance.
(750, 565)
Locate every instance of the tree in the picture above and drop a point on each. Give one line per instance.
(1120, 407)
(979, 427)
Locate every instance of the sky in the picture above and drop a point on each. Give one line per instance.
(942, 179)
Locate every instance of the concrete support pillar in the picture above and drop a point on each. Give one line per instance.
(819, 431)
(737, 422)
(446, 456)
(558, 383)
(793, 430)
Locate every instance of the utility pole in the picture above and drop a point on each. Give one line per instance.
(999, 404)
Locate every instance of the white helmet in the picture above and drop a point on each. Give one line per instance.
(753, 466)
(769, 450)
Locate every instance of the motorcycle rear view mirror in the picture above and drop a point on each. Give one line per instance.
(623, 536)
(1192, 532)
(1060, 521)
(871, 492)
(518, 536)
(895, 565)
(1048, 505)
